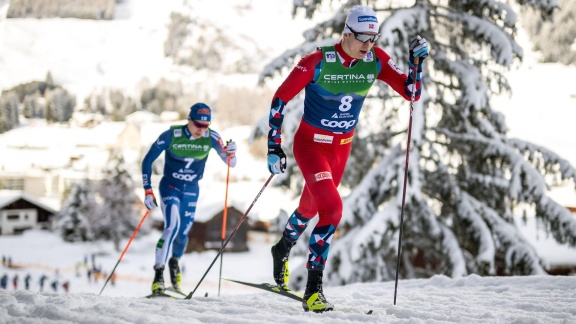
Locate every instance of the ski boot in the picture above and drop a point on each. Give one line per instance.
(158, 283)
(314, 299)
(175, 275)
(280, 253)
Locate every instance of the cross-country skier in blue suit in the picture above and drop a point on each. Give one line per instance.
(186, 150)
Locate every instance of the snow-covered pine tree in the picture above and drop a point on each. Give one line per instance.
(9, 103)
(117, 218)
(465, 175)
(60, 105)
(553, 40)
(74, 221)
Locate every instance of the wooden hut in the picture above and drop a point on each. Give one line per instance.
(20, 211)
(206, 233)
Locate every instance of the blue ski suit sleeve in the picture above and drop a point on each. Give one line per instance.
(156, 149)
(219, 146)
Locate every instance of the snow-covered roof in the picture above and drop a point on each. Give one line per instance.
(9, 196)
(140, 117)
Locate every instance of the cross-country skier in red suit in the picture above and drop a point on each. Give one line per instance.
(336, 80)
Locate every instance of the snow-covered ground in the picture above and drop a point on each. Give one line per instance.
(472, 299)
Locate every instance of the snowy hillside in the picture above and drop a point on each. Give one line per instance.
(121, 52)
(84, 55)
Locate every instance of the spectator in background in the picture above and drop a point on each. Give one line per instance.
(27, 281)
(4, 281)
(41, 282)
(15, 282)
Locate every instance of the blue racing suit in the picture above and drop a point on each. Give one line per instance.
(185, 159)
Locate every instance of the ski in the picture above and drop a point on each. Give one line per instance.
(271, 288)
(275, 289)
(177, 291)
(161, 295)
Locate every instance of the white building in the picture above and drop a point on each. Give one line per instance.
(20, 211)
(46, 160)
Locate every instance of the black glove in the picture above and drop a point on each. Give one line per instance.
(418, 48)
(276, 160)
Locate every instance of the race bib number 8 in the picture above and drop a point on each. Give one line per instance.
(346, 103)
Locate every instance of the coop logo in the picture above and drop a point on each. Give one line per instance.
(189, 147)
(324, 175)
(330, 57)
(338, 124)
(184, 177)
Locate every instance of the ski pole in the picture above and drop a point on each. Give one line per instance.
(125, 249)
(224, 216)
(230, 237)
(415, 70)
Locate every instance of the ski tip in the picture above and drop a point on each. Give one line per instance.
(369, 312)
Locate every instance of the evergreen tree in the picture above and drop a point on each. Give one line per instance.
(117, 218)
(60, 105)
(31, 107)
(75, 219)
(465, 175)
(553, 39)
(8, 111)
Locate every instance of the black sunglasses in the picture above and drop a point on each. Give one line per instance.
(364, 37)
(199, 125)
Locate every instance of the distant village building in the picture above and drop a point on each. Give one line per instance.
(45, 160)
(206, 233)
(20, 212)
(82, 9)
